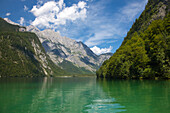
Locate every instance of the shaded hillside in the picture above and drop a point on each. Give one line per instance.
(4, 26)
(21, 54)
(145, 51)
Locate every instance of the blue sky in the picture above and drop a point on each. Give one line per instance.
(100, 24)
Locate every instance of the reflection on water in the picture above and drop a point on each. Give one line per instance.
(139, 96)
(105, 106)
(77, 95)
(56, 95)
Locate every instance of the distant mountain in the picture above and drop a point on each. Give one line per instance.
(145, 51)
(72, 56)
(21, 53)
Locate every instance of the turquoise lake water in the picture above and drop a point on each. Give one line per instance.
(83, 95)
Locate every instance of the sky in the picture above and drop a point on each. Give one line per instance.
(100, 24)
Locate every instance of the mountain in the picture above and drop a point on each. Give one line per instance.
(21, 54)
(72, 56)
(145, 51)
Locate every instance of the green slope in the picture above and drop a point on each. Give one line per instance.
(18, 56)
(145, 51)
(74, 70)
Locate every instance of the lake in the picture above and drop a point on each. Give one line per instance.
(83, 95)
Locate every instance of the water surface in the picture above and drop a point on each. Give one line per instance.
(83, 95)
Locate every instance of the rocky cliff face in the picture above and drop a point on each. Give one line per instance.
(104, 57)
(62, 49)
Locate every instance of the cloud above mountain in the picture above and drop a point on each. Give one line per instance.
(99, 51)
(52, 14)
(21, 21)
(97, 23)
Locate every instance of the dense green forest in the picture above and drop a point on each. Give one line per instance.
(20, 56)
(145, 51)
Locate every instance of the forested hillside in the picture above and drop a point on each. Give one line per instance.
(145, 51)
(21, 54)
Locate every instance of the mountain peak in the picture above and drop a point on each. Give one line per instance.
(62, 50)
(32, 28)
(49, 30)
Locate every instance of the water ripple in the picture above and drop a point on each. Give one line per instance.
(104, 106)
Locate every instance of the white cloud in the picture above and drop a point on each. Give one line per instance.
(39, 2)
(130, 11)
(101, 35)
(61, 4)
(52, 14)
(21, 21)
(93, 43)
(99, 51)
(8, 14)
(82, 4)
(25, 8)
(71, 13)
(106, 27)
(48, 7)
(112, 41)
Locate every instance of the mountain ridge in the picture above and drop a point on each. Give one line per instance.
(63, 49)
